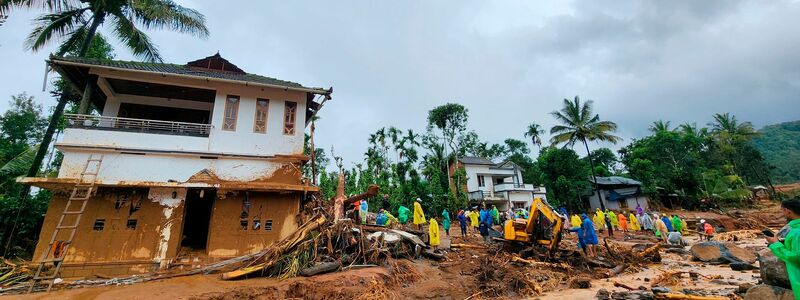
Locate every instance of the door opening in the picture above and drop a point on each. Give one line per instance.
(197, 217)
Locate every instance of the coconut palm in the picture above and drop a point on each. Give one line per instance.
(534, 132)
(580, 124)
(659, 126)
(728, 127)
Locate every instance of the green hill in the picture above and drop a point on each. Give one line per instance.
(780, 145)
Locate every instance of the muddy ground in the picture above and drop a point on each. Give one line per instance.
(461, 276)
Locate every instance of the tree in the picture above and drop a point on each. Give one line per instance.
(20, 128)
(564, 175)
(605, 161)
(451, 119)
(516, 147)
(580, 124)
(78, 23)
(534, 132)
(659, 126)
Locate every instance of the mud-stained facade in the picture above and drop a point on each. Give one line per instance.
(200, 162)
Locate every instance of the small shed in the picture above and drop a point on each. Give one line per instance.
(618, 193)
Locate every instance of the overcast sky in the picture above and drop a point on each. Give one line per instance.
(509, 62)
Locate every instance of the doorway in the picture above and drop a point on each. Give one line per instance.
(197, 217)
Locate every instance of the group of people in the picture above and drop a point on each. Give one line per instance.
(669, 229)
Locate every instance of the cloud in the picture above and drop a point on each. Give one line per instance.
(510, 63)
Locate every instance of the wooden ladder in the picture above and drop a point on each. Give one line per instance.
(81, 192)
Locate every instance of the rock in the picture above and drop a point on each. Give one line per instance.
(773, 270)
(602, 294)
(580, 283)
(742, 266)
(716, 252)
(660, 289)
(744, 287)
(768, 292)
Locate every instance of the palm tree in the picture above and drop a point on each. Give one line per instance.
(534, 132)
(728, 127)
(659, 126)
(581, 125)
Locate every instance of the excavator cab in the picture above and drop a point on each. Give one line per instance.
(541, 229)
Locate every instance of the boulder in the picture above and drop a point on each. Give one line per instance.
(768, 292)
(716, 252)
(773, 270)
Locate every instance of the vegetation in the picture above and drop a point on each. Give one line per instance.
(780, 145)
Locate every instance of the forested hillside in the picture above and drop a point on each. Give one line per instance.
(780, 145)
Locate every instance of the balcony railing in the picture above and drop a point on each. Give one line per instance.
(513, 187)
(484, 195)
(137, 125)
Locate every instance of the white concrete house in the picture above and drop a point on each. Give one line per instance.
(618, 193)
(199, 160)
(498, 184)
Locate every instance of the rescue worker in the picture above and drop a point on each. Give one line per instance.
(364, 208)
(380, 218)
(474, 217)
(677, 225)
(666, 221)
(599, 220)
(404, 214)
(390, 219)
(575, 221)
(613, 218)
(708, 229)
(589, 235)
(646, 222)
(623, 222)
(634, 222)
(495, 215)
(433, 233)
(788, 250)
(419, 215)
(684, 227)
(446, 221)
(661, 228)
(462, 221)
(485, 223)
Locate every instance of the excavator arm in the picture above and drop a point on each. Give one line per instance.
(543, 227)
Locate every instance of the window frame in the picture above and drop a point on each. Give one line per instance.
(481, 181)
(231, 108)
(286, 112)
(266, 116)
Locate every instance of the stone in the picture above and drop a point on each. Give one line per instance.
(768, 292)
(716, 252)
(742, 266)
(660, 289)
(744, 287)
(773, 270)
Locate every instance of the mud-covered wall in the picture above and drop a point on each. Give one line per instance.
(227, 238)
(118, 240)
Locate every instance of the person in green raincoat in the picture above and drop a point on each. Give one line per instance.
(446, 221)
(677, 225)
(613, 217)
(403, 214)
(495, 215)
(789, 250)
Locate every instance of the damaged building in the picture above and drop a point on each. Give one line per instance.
(183, 165)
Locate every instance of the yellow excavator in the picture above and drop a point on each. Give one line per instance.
(542, 228)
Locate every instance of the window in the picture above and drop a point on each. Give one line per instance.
(231, 112)
(268, 225)
(289, 114)
(481, 182)
(262, 107)
(131, 224)
(99, 224)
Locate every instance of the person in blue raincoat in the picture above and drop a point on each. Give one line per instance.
(667, 222)
(589, 235)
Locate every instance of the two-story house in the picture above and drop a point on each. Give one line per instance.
(498, 184)
(199, 160)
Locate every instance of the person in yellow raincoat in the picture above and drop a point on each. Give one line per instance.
(473, 220)
(575, 221)
(599, 220)
(419, 215)
(634, 222)
(613, 217)
(433, 233)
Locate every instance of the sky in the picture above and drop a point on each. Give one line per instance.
(509, 62)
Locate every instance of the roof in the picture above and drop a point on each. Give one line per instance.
(474, 160)
(191, 69)
(616, 180)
